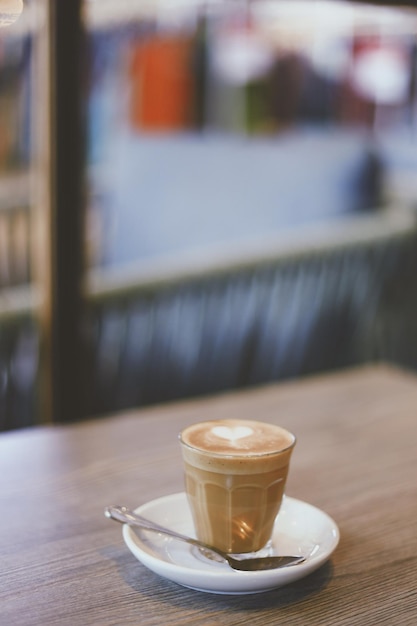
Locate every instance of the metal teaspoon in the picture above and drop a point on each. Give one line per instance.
(251, 564)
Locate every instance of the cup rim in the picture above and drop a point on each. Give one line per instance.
(237, 454)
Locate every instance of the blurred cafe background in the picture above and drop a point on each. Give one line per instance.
(247, 197)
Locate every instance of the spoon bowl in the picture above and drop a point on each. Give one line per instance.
(247, 564)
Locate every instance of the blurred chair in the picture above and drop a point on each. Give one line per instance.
(337, 301)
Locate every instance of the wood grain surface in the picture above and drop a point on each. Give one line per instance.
(63, 563)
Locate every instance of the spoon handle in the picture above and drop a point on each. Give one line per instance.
(126, 516)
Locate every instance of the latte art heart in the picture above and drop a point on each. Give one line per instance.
(236, 438)
(232, 433)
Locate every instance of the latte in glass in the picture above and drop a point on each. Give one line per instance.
(235, 475)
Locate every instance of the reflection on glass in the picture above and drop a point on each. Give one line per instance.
(252, 66)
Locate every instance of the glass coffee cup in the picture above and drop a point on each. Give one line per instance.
(235, 476)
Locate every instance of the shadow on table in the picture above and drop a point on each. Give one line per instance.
(276, 598)
(162, 591)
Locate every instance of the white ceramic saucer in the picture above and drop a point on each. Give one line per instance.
(300, 528)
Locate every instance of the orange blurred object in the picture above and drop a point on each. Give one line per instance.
(162, 84)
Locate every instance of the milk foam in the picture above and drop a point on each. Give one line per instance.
(237, 437)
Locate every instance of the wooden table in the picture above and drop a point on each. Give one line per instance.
(63, 563)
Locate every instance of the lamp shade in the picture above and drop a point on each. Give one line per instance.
(10, 11)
